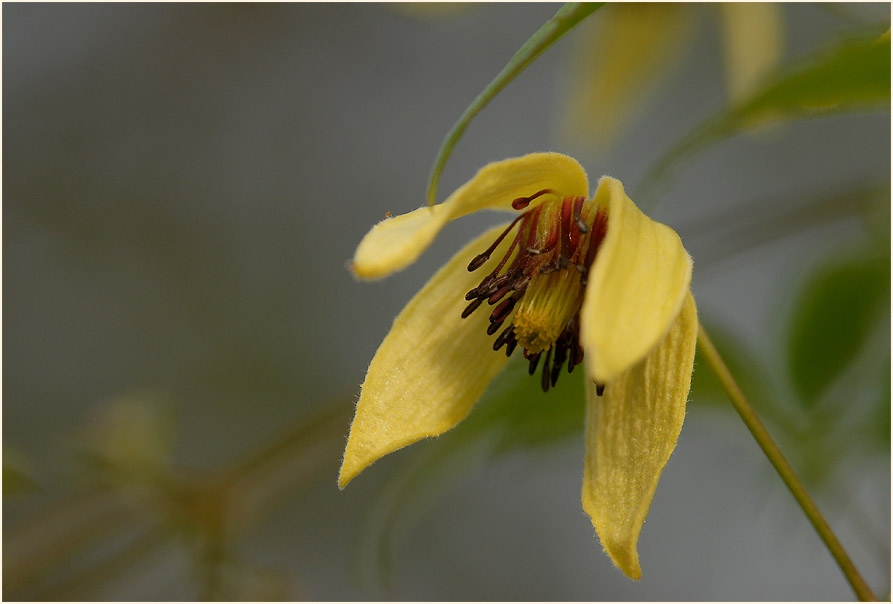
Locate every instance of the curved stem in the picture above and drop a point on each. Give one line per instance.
(781, 465)
(567, 17)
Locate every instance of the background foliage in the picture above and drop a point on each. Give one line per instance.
(182, 186)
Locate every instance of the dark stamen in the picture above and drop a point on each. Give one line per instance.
(471, 308)
(534, 360)
(599, 389)
(503, 338)
(479, 260)
(600, 225)
(523, 202)
(566, 235)
(505, 307)
(544, 382)
(578, 207)
(575, 353)
(560, 356)
(494, 327)
(489, 285)
(499, 294)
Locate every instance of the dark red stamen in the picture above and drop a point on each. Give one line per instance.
(578, 207)
(566, 210)
(503, 338)
(598, 234)
(536, 248)
(523, 202)
(471, 308)
(534, 360)
(545, 381)
(479, 260)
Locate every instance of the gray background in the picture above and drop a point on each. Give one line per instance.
(183, 185)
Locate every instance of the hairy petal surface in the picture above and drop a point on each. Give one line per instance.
(431, 367)
(630, 433)
(395, 243)
(635, 289)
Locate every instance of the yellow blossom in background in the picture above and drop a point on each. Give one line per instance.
(623, 57)
(591, 282)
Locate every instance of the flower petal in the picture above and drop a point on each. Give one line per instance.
(431, 367)
(630, 433)
(395, 243)
(635, 289)
(618, 65)
(753, 42)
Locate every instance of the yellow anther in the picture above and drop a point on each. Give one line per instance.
(550, 302)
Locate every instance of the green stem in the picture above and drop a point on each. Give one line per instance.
(781, 465)
(564, 20)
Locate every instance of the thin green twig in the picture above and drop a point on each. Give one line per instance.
(781, 465)
(567, 17)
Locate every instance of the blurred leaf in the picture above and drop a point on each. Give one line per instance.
(567, 17)
(16, 481)
(518, 414)
(619, 64)
(852, 75)
(132, 436)
(835, 313)
(876, 219)
(514, 413)
(880, 418)
(744, 365)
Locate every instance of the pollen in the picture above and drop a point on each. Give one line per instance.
(551, 301)
(537, 288)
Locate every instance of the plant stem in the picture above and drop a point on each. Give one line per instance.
(781, 465)
(567, 17)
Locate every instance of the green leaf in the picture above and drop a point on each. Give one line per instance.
(852, 75)
(564, 20)
(880, 417)
(514, 413)
(742, 362)
(16, 481)
(834, 315)
(518, 414)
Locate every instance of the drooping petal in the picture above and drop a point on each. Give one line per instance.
(635, 289)
(630, 433)
(753, 42)
(625, 54)
(395, 243)
(431, 367)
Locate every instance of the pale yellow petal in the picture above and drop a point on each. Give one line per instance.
(621, 56)
(431, 367)
(636, 286)
(395, 243)
(630, 433)
(753, 43)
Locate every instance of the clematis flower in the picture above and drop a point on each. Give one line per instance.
(630, 49)
(570, 281)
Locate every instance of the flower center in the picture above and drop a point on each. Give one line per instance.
(538, 285)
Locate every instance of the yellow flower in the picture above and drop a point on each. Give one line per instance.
(627, 50)
(567, 276)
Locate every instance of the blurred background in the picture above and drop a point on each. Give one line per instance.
(183, 185)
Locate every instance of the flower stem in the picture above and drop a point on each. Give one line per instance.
(781, 465)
